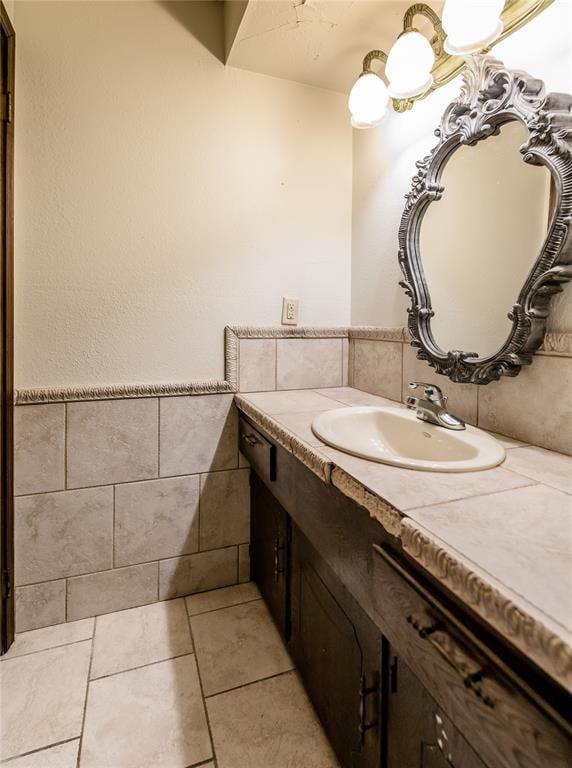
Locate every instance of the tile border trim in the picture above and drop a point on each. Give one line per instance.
(558, 344)
(527, 633)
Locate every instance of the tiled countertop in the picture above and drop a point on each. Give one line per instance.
(500, 539)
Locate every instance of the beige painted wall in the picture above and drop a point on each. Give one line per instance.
(160, 196)
(384, 164)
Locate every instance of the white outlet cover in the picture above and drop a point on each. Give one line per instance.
(289, 311)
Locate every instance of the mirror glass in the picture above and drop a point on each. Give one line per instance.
(480, 240)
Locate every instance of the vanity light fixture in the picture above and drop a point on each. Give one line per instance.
(417, 65)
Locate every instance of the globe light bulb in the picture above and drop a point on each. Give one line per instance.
(409, 65)
(368, 100)
(471, 25)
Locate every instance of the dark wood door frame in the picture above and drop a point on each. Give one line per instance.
(7, 55)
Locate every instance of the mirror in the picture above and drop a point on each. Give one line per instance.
(480, 240)
(484, 238)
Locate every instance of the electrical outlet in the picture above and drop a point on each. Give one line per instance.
(289, 311)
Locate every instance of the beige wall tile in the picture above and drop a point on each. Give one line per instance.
(39, 448)
(308, 363)
(225, 509)
(198, 573)
(462, 397)
(535, 406)
(257, 365)
(40, 605)
(377, 367)
(243, 563)
(237, 645)
(114, 590)
(345, 362)
(198, 434)
(112, 441)
(140, 636)
(63, 534)
(50, 637)
(270, 723)
(58, 679)
(153, 716)
(156, 519)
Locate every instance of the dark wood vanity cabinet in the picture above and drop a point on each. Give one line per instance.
(269, 552)
(400, 675)
(337, 650)
(419, 734)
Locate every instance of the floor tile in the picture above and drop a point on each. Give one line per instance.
(222, 598)
(42, 698)
(50, 637)
(140, 636)
(61, 756)
(153, 717)
(270, 723)
(237, 645)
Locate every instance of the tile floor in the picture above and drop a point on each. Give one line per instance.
(197, 681)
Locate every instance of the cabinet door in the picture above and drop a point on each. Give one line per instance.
(338, 655)
(269, 553)
(419, 734)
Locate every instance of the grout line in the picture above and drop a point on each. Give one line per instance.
(48, 648)
(132, 482)
(209, 728)
(122, 567)
(252, 682)
(142, 666)
(419, 508)
(65, 446)
(86, 692)
(275, 365)
(221, 607)
(113, 533)
(9, 760)
(158, 437)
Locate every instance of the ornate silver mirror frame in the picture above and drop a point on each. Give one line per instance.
(492, 95)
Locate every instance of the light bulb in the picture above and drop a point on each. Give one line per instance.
(471, 25)
(368, 100)
(409, 64)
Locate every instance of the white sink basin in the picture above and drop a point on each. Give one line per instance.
(396, 436)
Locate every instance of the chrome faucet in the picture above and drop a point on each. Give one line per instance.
(433, 407)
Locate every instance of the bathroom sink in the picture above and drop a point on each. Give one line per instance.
(396, 436)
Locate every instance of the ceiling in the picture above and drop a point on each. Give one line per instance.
(317, 42)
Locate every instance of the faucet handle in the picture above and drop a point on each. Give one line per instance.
(432, 392)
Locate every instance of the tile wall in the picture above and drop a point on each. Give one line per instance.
(535, 406)
(124, 502)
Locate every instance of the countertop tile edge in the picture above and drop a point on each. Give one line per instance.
(549, 650)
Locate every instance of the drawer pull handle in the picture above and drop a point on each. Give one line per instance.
(251, 440)
(470, 671)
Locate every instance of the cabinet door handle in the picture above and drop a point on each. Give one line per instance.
(278, 548)
(470, 671)
(251, 440)
(364, 692)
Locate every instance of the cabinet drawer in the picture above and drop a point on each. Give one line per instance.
(494, 713)
(258, 450)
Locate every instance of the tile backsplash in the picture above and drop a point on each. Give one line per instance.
(535, 406)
